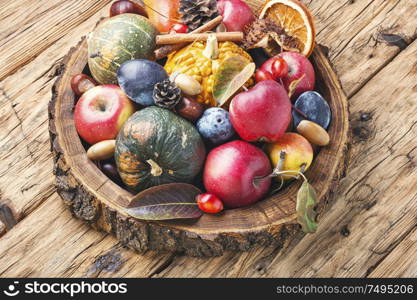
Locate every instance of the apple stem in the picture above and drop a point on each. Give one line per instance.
(277, 172)
(278, 169)
(281, 162)
(289, 173)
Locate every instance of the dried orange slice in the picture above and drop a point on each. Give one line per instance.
(295, 19)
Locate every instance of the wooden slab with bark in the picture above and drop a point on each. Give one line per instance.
(92, 197)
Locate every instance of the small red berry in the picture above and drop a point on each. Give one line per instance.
(209, 203)
(279, 68)
(262, 75)
(179, 28)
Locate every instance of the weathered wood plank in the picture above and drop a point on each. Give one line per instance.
(52, 243)
(402, 261)
(360, 57)
(15, 14)
(42, 29)
(26, 177)
(376, 203)
(349, 30)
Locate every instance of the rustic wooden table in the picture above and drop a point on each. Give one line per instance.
(369, 230)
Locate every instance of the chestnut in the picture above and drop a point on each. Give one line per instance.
(110, 170)
(126, 6)
(189, 109)
(81, 83)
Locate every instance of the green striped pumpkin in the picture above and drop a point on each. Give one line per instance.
(116, 40)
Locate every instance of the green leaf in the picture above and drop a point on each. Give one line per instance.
(232, 74)
(166, 202)
(306, 201)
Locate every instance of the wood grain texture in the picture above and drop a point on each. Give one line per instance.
(34, 249)
(47, 23)
(401, 262)
(25, 171)
(338, 22)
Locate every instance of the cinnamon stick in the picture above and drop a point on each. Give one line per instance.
(165, 50)
(179, 38)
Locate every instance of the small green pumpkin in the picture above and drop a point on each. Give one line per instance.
(155, 146)
(117, 40)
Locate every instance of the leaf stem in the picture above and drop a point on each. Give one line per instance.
(300, 112)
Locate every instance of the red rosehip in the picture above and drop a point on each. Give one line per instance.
(279, 68)
(209, 203)
(262, 75)
(179, 28)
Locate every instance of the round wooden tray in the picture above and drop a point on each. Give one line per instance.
(94, 198)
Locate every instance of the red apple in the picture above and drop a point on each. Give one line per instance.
(101, 112)
(298, 66)
(232, 173)
(261, 114)
(236, 14)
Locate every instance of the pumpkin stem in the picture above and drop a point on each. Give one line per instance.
(156, 169)
(212, 48)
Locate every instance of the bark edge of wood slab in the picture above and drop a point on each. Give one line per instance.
(94, 198)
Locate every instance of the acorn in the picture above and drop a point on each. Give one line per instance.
(314, 133)
(102, 150)
(188, 85)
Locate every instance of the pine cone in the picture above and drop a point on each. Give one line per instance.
(166, 94)
(196, 13)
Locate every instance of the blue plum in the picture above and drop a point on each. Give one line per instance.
(137, 79)
(315, 107)
(215, 126)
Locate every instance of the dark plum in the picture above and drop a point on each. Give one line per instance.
(314, 107)
(215, 126)
(137, 79)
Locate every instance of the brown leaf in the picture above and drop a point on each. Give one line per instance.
(166, 202)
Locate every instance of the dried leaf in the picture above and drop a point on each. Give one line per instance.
(232, 74)
(166, 202)
(393, 39)
(306, 201)
(294, 84)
